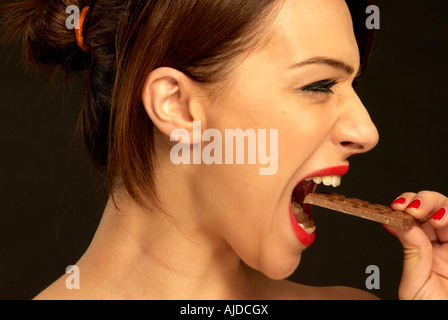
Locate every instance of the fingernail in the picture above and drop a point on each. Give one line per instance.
(390, 231)
(400, 201)
(416, 204)
(438, 215)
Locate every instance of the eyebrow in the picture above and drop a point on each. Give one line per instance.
(328, 61)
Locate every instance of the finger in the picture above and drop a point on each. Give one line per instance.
(431, 206)
(430, 231)
(417, 260)
(419, 206)
(439, 222)
(401, 202)
(423, 205)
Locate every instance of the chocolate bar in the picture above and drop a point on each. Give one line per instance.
(362, 209)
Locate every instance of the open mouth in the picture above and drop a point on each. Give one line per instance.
(302, 212)
(301, 215)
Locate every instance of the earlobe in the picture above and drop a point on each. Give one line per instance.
(168, 100)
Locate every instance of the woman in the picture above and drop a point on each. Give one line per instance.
(204, 229)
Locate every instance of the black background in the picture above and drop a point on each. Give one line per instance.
(50, 202)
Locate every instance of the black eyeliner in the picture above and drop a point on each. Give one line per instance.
(323, 86)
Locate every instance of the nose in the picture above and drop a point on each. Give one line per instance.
(354, 132)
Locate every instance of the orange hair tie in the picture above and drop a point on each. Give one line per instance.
(78, 30)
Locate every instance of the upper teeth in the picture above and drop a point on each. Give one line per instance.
(334, 181)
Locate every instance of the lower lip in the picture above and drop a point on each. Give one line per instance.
(304, 237)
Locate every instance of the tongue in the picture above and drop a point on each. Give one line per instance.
(302, 190)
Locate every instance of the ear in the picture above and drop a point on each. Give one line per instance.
(171, 100)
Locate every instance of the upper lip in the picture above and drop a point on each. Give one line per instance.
(331, 171)
(300, 193)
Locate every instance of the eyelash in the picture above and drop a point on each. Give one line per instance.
(323, 86)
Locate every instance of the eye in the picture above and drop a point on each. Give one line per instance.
(323, 86)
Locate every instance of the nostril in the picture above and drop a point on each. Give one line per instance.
(352, 145)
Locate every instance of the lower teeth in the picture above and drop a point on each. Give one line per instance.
(303, 220)
(308, 230)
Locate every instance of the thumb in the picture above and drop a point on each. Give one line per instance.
(417, 260)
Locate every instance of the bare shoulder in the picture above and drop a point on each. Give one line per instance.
(289, 290)
(347, 293)
(58, 291)
(53, 292)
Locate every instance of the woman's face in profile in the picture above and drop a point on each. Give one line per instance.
(299, 83)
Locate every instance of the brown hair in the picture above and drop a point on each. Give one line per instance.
(126, 41)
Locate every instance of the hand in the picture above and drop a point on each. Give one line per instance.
(425, 265)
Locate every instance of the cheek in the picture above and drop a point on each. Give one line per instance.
(301, 133)
(252, 209)
(248, 104)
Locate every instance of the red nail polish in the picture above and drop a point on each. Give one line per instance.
(416, 204)
(438, 215)
(400, 201)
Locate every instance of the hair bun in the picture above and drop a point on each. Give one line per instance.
(42, 25)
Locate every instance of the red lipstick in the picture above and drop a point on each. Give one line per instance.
(333, 171)
(300, 191)
(304, 237)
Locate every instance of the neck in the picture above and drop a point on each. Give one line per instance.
(151, 255)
